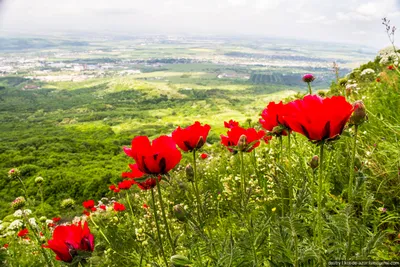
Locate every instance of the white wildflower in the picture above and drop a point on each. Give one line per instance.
(15, 225)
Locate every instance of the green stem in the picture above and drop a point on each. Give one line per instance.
(158, 226)
(196, 188)
(101, 231)
(164, 217)
(282, 186)
(242, 178)
(353, 157)
(42, 198)
(129, 204)
(36, 234)
(309, 88)
(320, 188)
(25, 191)
(290, 177)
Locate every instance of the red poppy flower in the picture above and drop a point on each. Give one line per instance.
(88, 204)
(267, 138)
(273, 118)
(50, 225)
(41, 234)
(378, 80)
(103, 207)
(158, 157)
(23, 233)
(204, 156)
(5, 246)
(87, 213)
(319, 118)
(240, 139)
(56, 219)
(135, 175)
(231, 124)
(124, 185)
(390, 67)
(116, 190)
(192, 137)
(93, 209)
(69, 239)
(112, 187)
(119, 206)
(145, 206)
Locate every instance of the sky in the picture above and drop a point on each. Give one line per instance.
(347, 21)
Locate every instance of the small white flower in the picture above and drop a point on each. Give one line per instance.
(32, 222)
(18, 213)
(49, 221)
(15, 225)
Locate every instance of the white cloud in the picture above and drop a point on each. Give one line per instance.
(337, 20)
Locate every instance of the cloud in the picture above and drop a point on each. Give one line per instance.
(337, 20)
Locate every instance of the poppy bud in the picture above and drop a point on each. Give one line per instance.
(189, 173)
(359, 114)
(314, 162)
(179, 212)
(18, 203)
(242, 143)
(180, 260)
(39, 180)
(43, 219)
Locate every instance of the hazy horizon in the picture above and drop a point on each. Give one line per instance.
(349, 22)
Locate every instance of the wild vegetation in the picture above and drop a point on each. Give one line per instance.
(274, 192)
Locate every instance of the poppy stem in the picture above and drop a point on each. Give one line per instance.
(280, 163)
(353, 157)
(164, 217)
(309, 88)
(196, 188)
(290, 177)
(320, 188)
(242, 178)
(158, 226)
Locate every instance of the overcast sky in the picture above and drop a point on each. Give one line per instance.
(354, 21)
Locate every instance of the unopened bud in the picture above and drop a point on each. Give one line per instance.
(359, 114)
(189, 173)
(179, 212)
(39, 180)
(242, 143)
(314, 162)
(18, 203)
(180, 260)
(43, 219)
(67, 203)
